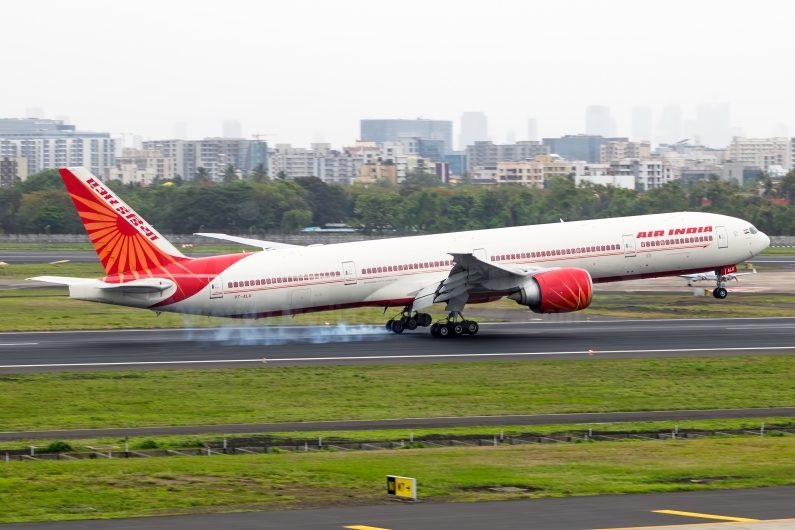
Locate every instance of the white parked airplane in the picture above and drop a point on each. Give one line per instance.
(712, 277)
(548, 268)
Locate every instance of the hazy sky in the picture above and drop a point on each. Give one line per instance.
(309, 70)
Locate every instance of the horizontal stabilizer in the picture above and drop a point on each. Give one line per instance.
(264, 245)
(144, 285)
(60, 280)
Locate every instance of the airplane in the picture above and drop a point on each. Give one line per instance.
(548, 268)
(711, 276)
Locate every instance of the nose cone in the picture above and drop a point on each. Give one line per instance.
(765, 240)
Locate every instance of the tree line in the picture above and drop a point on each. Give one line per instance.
(420, 204)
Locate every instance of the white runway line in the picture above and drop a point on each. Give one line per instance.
(20, 344)
(396, 357)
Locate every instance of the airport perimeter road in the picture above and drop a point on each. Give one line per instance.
(405, 423)
(574, 513)
(312, 345)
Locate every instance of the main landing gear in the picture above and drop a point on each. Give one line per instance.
(455, 326)
(409, 320)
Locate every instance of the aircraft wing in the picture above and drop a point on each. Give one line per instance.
(472, 275)
(264, 245)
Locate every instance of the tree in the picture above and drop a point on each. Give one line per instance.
(49, 211)
(329, 203)
(259, 174)
(49, 179)
(416, 180)
(230, 174)
(294, 220)
(281, 175)
(202, 177)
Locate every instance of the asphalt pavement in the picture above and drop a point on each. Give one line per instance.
(251, 345)
(572, 513)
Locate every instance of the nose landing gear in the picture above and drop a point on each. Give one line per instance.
(720, 291)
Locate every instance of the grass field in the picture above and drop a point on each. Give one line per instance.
(36, 491)
(274, 394)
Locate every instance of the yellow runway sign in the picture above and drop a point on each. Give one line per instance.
(401, 487)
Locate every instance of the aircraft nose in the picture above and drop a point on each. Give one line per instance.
(765, 240)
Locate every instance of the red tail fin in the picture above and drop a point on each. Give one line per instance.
(123, 241)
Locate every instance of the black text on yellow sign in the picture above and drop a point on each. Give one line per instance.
(401, 487)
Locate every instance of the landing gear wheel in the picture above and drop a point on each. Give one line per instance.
(456, 329)
(443, 331)
(471, 327)
(389, 325)
(397, 326)
(435, 330)
(412, 324)
(424, 319)
(720, 293)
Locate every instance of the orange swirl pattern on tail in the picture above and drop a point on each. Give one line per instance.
(564, 290)
(123, 241)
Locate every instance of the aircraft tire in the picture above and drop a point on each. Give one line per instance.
(471, 327)
(425, 320)
(412, 324)
(443, 331)
(435, 330)
(389, 324)
(720, 293)
(456, 329)
(397, 327)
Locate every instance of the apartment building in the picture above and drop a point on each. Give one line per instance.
(761, 152)
(600, 174)
(488, 154)
(50, 144)
(616, 150)
(648, 174)
(532, 173)
(12, 168)
(141, 167)
(372, 172)
(580, 146)
(338, 167)
(212, 154)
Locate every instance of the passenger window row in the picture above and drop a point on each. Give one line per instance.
(558, 252)
(678, 241)
(410, 266)
(288, 279)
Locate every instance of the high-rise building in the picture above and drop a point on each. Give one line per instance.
(532, 130)
(50, 144)
(760, 152)
(669, 128)
(212, 154)
(487, 154)
(641, 124)
(474, 128)
(231, 129)
(598, 121)
(579, 147)
(713, 124)
(380, 131)
(12, 168)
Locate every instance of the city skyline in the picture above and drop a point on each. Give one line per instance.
(296, 104)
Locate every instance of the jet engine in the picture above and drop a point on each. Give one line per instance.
(556, 291)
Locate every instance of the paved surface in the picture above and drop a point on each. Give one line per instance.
(576, 513)
(410, 423)
(313, 345)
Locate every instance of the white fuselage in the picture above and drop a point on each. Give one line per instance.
(389, 272)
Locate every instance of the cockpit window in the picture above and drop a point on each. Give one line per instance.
(753, 230)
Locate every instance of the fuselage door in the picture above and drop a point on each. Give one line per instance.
(723, 237)
(629, 246)
(216, 287)
(349, 272)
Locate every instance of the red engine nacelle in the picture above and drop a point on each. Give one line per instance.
(556, 291)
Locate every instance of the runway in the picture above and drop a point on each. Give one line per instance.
(248, 346)
(571, 513)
